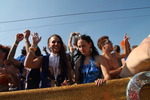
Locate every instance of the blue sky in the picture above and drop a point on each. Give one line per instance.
(114, 24)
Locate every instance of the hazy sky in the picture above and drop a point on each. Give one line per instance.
(92, 17)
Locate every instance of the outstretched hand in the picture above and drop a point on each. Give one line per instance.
(35, 39)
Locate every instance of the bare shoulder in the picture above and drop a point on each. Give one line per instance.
(99, 58)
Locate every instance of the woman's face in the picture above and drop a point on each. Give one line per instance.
(84, 47)
(54, 44)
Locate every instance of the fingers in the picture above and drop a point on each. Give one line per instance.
(126, 37)
(75, 33)
(27, 33)
(19, 37)
(35, 38)
(99, 82)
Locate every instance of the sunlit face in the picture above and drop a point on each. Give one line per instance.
(54, 44)
(84, 47)
(108, 45)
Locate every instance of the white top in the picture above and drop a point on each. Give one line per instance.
(54, 63)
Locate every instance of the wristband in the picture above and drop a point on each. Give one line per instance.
(16, 44)
(32, 49)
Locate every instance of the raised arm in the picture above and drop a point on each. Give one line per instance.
(27, 42)
(30, 62)
(70, 44)
(125, 47)
(19, 37)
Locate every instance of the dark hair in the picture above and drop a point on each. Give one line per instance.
(62, 53)
(23, 51)
(101, 41)
(94, 52)
(88, 39)
(117, 48)
(38, 52)
(5, 49)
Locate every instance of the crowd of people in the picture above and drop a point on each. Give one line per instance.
(83, 64)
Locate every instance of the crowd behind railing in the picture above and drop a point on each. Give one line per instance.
(83, 64)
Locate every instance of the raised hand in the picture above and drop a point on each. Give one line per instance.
(35, 38)
(126, 37)
(19, 37)
(27, 34)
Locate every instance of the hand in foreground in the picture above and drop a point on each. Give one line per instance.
(99, 82)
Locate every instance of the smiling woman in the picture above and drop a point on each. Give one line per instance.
(56, 66)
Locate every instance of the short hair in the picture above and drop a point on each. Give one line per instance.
(101, 41)
(23, 50)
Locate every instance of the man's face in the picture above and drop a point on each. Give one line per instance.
(107, 45)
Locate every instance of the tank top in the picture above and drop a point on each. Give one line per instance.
(90, 72)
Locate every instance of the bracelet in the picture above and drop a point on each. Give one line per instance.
(122, 67)
(34, 46)
(32, 49)
(16, 44)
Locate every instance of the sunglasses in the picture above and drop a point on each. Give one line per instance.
(107, 42)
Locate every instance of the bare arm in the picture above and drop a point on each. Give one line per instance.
(19, 37)
(115, 73)
(126, 48)
(70, 45)
(70, 42)
(30, 62)
(104, 67)
(27, 42)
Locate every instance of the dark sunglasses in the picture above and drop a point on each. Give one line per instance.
(107, 42)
